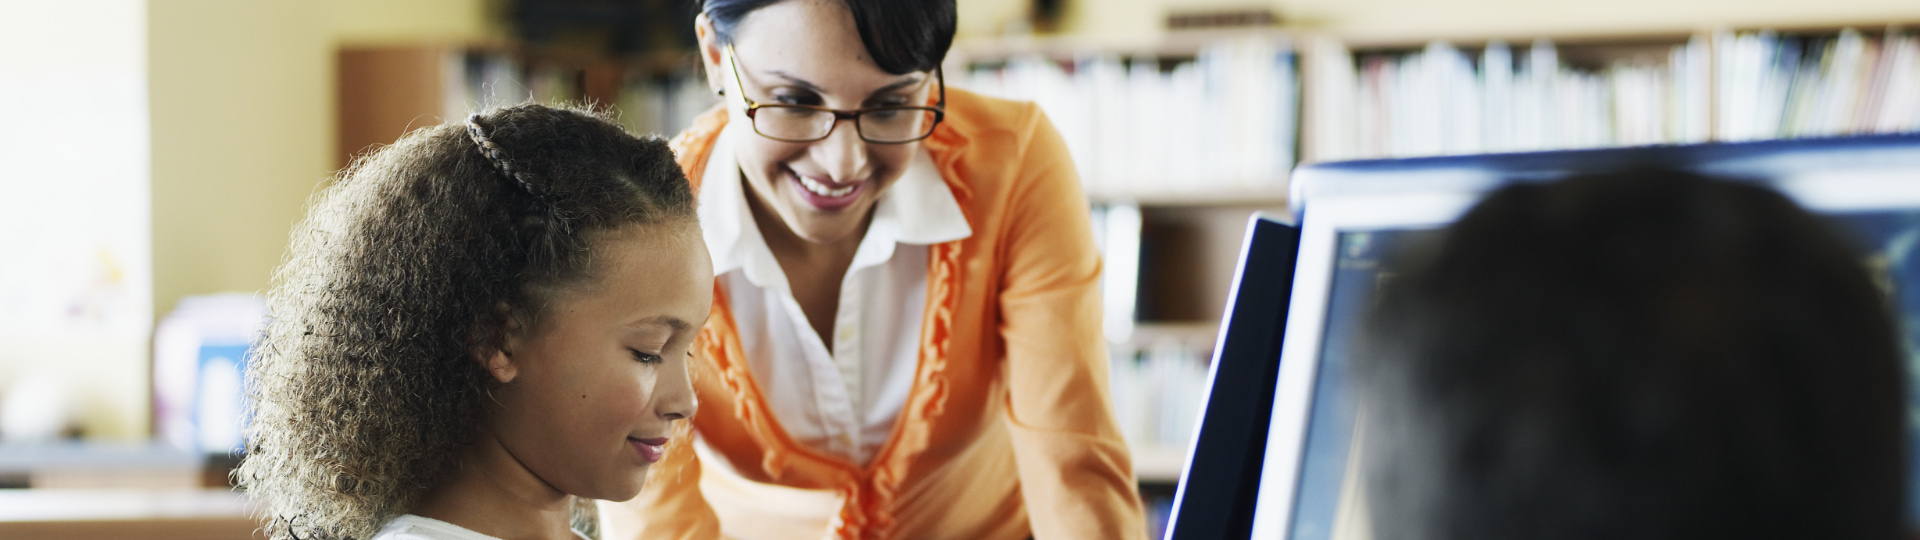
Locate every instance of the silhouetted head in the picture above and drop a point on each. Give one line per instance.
(1648, 355)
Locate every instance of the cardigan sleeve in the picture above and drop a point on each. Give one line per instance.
(670, 506)
(1076, 476)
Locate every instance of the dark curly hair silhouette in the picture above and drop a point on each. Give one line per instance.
(1649, 355)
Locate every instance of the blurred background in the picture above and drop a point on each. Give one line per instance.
(157, 152)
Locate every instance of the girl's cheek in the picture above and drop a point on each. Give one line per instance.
(631, 395)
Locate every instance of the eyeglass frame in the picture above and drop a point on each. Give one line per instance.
(939, 108)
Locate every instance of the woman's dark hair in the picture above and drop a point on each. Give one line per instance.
(1648, 355)
(365, 384)
(903, 36)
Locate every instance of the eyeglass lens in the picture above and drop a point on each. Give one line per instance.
(877, 125)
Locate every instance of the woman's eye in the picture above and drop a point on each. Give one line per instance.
(646, 358)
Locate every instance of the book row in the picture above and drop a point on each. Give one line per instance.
(1232, 116)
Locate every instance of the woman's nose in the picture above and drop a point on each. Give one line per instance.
(842, 154)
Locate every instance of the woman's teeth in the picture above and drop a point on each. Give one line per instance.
(824, 191)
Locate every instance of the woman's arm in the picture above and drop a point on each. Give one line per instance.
(1076, 475)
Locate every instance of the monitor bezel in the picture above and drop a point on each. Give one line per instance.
(1208, 502)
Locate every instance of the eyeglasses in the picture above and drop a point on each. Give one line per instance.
(807, 123)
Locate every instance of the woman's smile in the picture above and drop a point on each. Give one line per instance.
(824, 194)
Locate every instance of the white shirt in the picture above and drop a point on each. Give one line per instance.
(412, 527)
(841, 403)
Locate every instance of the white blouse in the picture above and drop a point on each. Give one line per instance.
(841, 403)
(412, 527)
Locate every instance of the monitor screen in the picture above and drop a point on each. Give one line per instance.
(1354, 215)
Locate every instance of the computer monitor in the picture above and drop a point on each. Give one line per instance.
(1216, 495)
(1352, 213)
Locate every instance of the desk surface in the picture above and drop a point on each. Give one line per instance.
(213, 514)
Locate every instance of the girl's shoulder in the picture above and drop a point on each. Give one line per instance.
(412, 527)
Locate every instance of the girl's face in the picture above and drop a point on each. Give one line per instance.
(593, 388)
(808, 52)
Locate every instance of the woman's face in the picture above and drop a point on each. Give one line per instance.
(595, 385)
(807, 52)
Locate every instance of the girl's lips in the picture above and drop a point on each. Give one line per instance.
(826, 203)
(649, 449)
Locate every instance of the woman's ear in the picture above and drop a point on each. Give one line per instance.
(709, 52)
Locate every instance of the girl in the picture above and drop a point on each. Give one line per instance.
(906, 340)
(474, 326)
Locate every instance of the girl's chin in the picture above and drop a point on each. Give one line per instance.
(622, 491)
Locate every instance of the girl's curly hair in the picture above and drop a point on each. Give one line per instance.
(364, 387)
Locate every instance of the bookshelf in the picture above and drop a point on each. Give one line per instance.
(1375, 100)
(384, 91)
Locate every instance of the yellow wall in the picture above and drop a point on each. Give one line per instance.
(368, 22)
(243, 120)
(242, 112)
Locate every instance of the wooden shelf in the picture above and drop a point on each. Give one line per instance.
(1264, 197)
(1188, 43)
(1197, 335)
(1159, 464)
(76, 465)
(1183, 44)
(1521, 39)
(214, 514)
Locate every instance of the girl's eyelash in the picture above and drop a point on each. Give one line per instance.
(645, 358)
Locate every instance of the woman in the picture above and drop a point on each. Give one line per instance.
(905, 340)
(475, 326)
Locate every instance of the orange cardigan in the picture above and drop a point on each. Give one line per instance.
(1008, 431)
